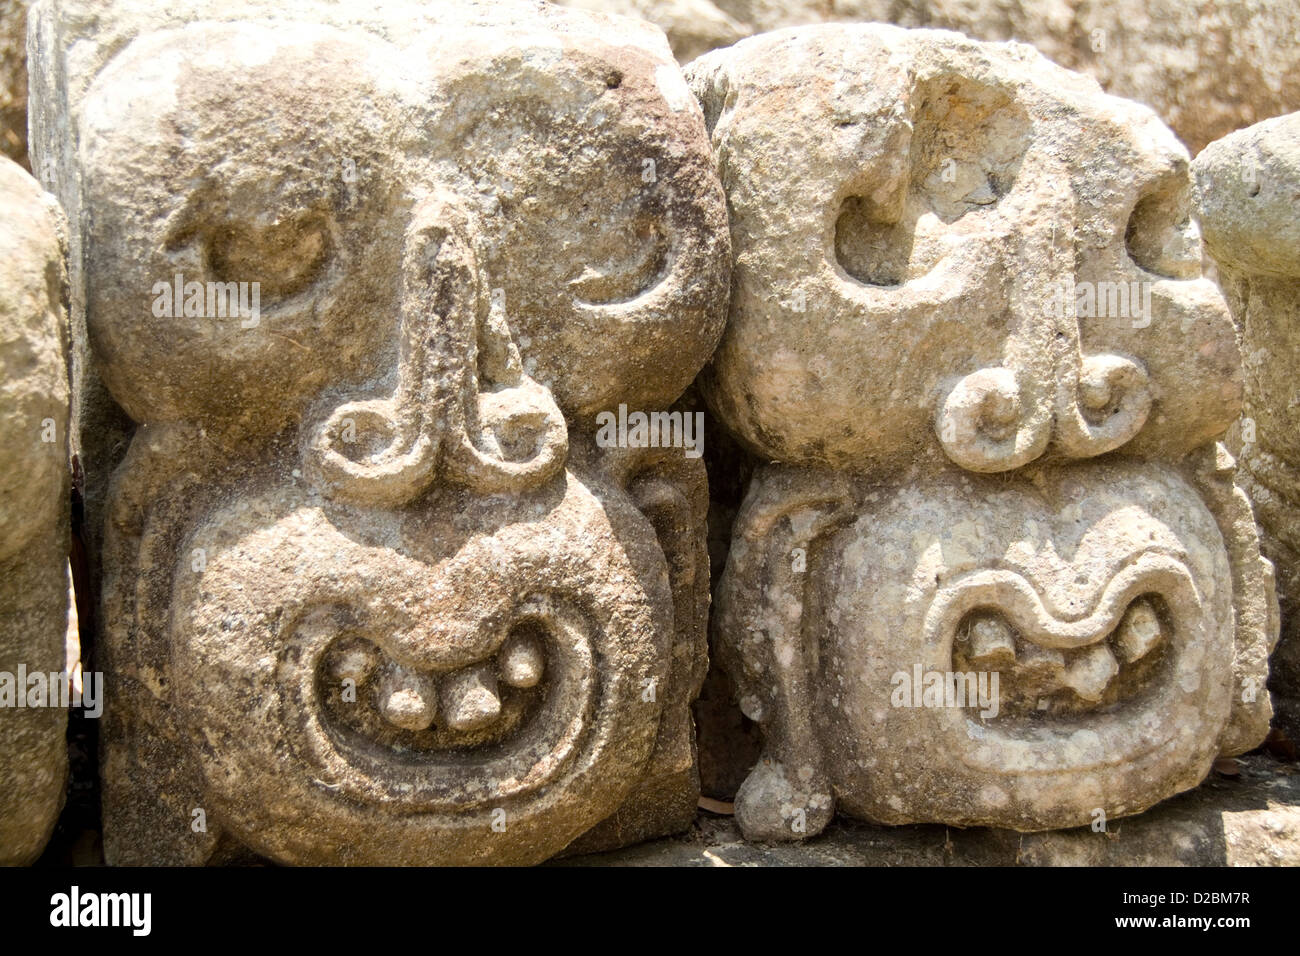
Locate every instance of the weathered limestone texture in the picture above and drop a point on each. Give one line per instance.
(13, 80)
(1248, 193)
(34, 503)
(970, 341)
(374, 592)
(1205, 68)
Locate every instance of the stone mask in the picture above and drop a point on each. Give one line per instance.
(373, 595)
(969, 332)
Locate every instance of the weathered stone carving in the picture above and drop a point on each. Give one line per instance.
(1206, 69)
(372, 593)
(1247, 185)
(33, 515)
(969, 335)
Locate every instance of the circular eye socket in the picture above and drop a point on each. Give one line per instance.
(284, 257)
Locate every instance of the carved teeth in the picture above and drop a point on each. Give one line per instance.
(356, 662)
(1138, 632)
(407, 700)
(1090, 671)
(1040, 664)
(469, 698)
(992, 644)
(521, 662)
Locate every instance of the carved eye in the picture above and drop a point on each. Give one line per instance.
(1161, 236)
(285, 257)
(631, 266)
(967, 144)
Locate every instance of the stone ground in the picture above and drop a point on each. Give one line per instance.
(1250, 819)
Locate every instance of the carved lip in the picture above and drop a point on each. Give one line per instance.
(1107, 737)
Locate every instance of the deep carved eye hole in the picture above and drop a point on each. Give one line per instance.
(284, 257)
(967, 143)
(1161, 235)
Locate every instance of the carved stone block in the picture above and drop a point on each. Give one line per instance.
(34, 497)
(365, 280)
(970, 338)
(1247, 189)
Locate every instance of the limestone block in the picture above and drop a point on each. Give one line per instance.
(1248, 194)
(970, 339)
(365, 282)
(34, 515)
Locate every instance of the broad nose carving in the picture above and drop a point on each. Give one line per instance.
(1101, 402)
(462, 400)
(1048, 390)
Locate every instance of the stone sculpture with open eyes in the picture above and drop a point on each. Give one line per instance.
(372, 593)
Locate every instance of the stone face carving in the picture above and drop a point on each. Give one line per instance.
(1205, 69)
(969, 333)
(1247, 185)
(372, 593)
(33, 515)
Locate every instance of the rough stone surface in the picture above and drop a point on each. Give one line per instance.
(1248, 193)
(33, 513)
(1250, 820)
(13, 80)
(1206, 69)
(373, 589)
(963, 275)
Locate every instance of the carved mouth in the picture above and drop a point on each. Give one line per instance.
(1043, 683)
(1092, 689)
(370, 699)
(500, 726)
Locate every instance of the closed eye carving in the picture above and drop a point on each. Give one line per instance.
(621, 278)
(285, 257)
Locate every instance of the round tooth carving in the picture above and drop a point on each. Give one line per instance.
(469, 698)
(1090, 672)
(992, 644)
(1138, 632)
(521, 662)
(407, 700)
(356, 662)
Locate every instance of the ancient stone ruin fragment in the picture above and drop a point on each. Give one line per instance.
(366, 280)
(994, 569)
(1248, 194)
(33, 515)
